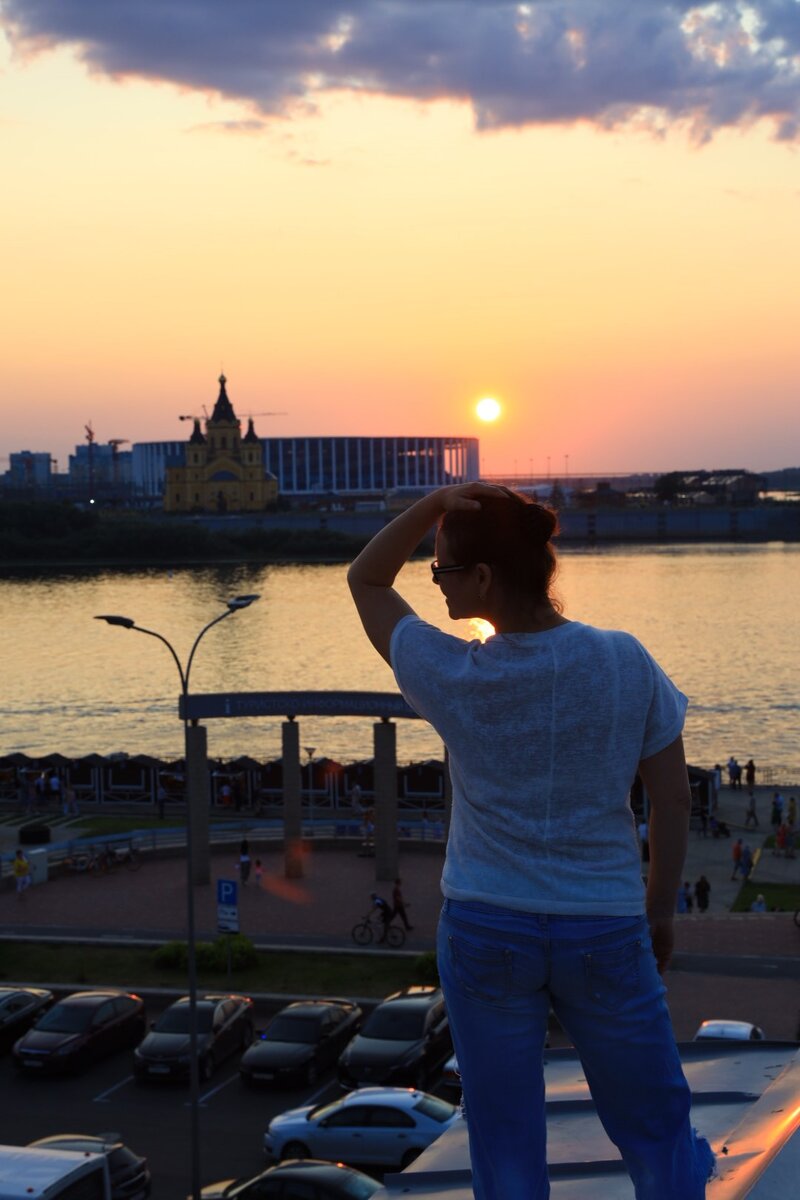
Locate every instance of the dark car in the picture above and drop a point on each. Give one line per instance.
(130, 1174)
(300, 1041)
(307, 1178)
(19, 1008)
(402, 1043)
(224, 1025)
(79, 1029)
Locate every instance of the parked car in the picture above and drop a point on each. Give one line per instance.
(402, 1042)
(301, 1040)
(725, 1031)
(79, 1029)
(384, 1126)
(130, 1174)
(451, 1076)
(322, 1180)
(224, 1025)
(19, 1008)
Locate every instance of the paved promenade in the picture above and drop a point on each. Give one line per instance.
(743, 966)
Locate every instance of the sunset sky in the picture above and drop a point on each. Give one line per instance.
(373, 214)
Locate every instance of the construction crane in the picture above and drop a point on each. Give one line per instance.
(90, 441)
(115, 444)
(264, 414)
(193, 417)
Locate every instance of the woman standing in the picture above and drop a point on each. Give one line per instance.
(546, 724)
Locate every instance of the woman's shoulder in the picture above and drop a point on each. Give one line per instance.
(414, 629)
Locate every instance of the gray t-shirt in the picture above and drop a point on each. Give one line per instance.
(545, 732)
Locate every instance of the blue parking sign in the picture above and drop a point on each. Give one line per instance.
(227, 906)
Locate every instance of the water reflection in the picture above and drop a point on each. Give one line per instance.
(723, 620)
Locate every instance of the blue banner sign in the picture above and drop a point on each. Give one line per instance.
(209, 705)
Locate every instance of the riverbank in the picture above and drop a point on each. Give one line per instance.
(58, 536)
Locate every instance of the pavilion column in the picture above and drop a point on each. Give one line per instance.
(198, 796)
(385, 771)
(292, 801)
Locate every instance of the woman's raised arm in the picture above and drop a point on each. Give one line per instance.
(371, 577)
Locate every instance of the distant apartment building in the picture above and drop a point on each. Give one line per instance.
(103, 464)
(28, 469)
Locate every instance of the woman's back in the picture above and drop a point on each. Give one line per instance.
(545, 731)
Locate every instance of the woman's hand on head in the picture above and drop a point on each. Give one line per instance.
(466, 497)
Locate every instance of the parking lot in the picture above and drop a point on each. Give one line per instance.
(727, 965)
(153, 1118)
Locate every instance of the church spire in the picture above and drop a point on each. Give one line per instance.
(223, 409)
(197, 435)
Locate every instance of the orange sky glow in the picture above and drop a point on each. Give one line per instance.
(375, 265)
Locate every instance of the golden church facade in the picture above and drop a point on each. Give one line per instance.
(222, 471)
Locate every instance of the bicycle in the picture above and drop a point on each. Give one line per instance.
(130, 857)
(363, 933)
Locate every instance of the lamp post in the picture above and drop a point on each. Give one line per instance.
(233, 606)
(310, 752)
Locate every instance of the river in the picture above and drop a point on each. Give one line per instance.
(724, 621)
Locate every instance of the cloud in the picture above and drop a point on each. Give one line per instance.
(610, 62)
(249, 125)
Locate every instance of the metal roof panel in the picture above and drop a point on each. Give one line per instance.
(745, 1100)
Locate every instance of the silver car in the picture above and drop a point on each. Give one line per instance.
(386, 1126)
(729, 1031)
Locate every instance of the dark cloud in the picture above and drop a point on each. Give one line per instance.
(545, 61)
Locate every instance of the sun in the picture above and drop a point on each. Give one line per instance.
(488, 409)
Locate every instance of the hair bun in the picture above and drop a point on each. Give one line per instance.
(541, 522)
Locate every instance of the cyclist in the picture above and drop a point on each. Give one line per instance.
(384, 910)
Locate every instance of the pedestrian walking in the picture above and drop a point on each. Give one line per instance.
(546, 724)
(244, 860)
(776, 815)
(399, 904)
(751, 816)
(746, 862)
(702, 891)
(736, 855)
(21, 870)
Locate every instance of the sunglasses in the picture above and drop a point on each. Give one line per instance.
(436, 570)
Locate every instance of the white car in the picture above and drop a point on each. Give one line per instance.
(733, 1031)
(381, 1125)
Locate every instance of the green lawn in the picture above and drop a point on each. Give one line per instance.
(780, 897)
(294, 973)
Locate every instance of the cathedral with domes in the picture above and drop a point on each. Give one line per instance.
(221, 472)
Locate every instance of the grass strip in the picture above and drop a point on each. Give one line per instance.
(293, 973)
(779, 897)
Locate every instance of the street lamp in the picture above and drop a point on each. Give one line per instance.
(234, 605)
(310, 752)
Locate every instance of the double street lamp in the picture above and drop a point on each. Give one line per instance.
(233, 606)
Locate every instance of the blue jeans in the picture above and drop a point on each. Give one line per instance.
(501, 971)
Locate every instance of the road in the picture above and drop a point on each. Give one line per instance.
(153, 1119)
